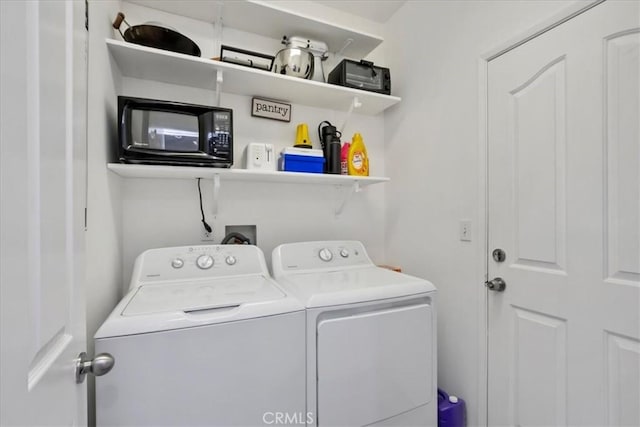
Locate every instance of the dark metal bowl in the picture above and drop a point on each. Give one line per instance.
(157, 36)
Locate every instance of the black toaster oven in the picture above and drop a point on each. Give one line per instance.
(361, 75)
(172, 133)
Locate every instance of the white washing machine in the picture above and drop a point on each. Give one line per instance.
(371, 336)
(204, 337)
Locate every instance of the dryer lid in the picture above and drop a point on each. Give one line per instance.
(190, 296)
(352, 285)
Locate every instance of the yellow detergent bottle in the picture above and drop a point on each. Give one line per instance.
(358, 162)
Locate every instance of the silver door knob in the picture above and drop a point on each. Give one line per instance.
(497, 284)
(98, 366)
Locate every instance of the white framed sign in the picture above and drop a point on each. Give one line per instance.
(269, 109)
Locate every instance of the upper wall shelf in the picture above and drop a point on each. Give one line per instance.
(273, 20)
(153, 64)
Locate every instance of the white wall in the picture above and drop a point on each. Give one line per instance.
(431, 154)
(128, 216)
(158, 213)
(166, 212)
(104, 225)
(427, 145)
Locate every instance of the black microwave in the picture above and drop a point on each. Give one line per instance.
(172, 133)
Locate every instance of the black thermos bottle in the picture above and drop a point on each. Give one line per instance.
(330, 140)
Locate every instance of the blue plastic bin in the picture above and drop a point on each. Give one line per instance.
(451, 410)
(295, 163)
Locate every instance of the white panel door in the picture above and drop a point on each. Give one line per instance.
(43, 75)
(564, 187)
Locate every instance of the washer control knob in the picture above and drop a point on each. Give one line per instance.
(230, 260)
(325, 255)
(204, 262)
(344, 253)
(177, 263)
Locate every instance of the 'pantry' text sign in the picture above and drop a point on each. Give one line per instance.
(270, 109)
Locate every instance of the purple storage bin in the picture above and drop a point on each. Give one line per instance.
(451, 410)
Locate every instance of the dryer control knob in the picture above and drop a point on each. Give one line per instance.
(344, 253)
(204, 262)
(325, 255)
(177, 263)
(230, 260)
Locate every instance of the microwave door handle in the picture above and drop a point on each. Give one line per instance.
(184, 155)
(170, 153)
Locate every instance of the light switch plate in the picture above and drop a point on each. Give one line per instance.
(465, 230)
(261, 156)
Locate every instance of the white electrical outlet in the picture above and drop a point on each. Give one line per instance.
(206, 236)
(465, 230)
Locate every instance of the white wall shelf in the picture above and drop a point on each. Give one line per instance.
(273, 20)
(350, 184)
(186, 172)
(147, 63)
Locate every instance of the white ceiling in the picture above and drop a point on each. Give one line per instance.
(265, 18)
(373, 10)
(377, 11)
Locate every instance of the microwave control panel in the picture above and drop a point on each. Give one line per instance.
(221, 140)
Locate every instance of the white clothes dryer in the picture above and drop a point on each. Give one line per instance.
(204, 337)
(371, 336)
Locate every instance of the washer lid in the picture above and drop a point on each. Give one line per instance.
(201, 295)
(352, 285)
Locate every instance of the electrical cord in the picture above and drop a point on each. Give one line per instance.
(204, 223)
(236, 239)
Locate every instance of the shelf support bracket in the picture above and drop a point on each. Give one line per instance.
(346, 44)
(355, 103)
(216, 194)
(219, 81)
(353, 189)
